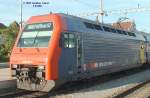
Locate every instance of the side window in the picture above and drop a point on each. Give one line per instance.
(69, 40)
(66, 41)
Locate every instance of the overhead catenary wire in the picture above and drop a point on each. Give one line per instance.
(103, 12)
(116, 12)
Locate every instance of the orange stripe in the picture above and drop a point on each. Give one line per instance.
(54, 50)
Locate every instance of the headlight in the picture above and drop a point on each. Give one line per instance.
(41, 67)
(14, 66)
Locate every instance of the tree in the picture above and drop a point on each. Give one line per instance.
(2, 26)
(9, 34)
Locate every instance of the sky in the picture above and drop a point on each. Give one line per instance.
(10, 10)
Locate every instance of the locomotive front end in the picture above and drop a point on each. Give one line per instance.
(32, 58)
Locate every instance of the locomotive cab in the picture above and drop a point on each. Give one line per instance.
(44, 50)
(34, 57)
(31, 47)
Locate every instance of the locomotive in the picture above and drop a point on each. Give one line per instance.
(53, 49)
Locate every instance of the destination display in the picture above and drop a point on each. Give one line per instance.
(38, 26)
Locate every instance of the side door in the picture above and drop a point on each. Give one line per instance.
(142, 53)
(68, 59)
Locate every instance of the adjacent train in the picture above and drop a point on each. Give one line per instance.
(56, 48)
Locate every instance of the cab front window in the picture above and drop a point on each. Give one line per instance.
(36, 35)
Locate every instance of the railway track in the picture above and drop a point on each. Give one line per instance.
(79, 86)
(82, 89)
(24, 94)
(141, 90)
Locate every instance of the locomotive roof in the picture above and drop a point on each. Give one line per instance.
(78, 24)
(75, 21)
(71, 17)
(78, 20)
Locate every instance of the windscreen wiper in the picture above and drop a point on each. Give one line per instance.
(35, 39)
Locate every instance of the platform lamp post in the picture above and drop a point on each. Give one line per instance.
(21, 6)
(101, 10)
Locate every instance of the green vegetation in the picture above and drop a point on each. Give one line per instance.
(9, 35)
(2, 26)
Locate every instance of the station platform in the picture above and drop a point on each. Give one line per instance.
(5, 74)
(6, 81)
(4, 65)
